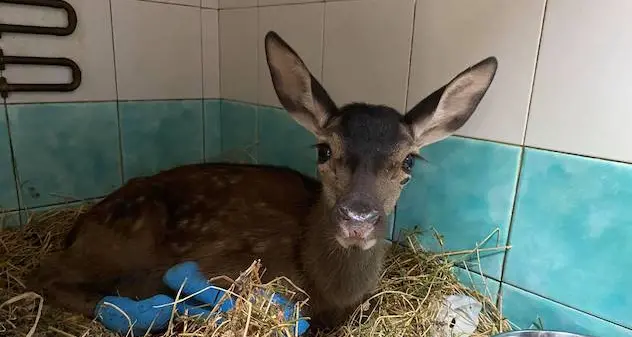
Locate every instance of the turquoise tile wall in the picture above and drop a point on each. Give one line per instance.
(9, 219)
(484, 285)
(566, 221)
(8, 195)
(526, 310)
(239, 132)
(565, 216)
(284, 142)
(464, 191)
(572, 232)
(64, 151)
(157, 135)
(212, 130)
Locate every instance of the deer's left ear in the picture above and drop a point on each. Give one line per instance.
(447, 109)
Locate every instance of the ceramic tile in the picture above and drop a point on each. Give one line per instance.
(158, 50)
(90, 46)
(580, 97)
(212, 130)
(210, 4)
(194, 3)
(451, 35)
(9, 220)
(210, 52)
(529, 311)
(301, 26)
(465, 192)
(363, 60)
(285, 2)
(239, 132)
(573, 222)
(276, 127)
(237, 3)
(159, 135)
(8, 195)
(474, 281)
(238, 54)
(65, 151)
(390, 221)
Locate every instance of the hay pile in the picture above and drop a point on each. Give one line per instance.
(411, 289)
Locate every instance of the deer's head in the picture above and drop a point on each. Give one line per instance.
(366, 152)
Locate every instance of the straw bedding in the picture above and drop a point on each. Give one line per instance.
(406, 303)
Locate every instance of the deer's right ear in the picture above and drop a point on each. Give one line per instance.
(298, 91)
(449, 107)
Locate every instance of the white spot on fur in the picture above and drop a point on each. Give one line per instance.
(363, 244)
(342, 241)
(368, 244)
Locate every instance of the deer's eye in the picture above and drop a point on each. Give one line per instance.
(408, 163)
(324, 153)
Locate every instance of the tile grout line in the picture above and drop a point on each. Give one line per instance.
(521, 161)
(504, 143)
(14, 163)
(55, 204)
(322, 60)
(219, 55)
(410, 61)
(118, 108)
(535, 69)
(322, 51)
(410, 56)
(202, 80)
(567, 306)
(219, 85)
(172, 3)
(255, 150)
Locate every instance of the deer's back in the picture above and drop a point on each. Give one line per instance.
(220, 215)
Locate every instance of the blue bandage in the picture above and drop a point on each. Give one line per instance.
(122, 314)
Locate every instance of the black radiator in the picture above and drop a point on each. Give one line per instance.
(6, 86)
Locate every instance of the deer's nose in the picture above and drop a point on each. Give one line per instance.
(359, 214)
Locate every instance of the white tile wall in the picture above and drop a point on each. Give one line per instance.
(210, 53)
(367, 51)
(90, 46)
(307, 40)
(158, 50)
(581, 99)
(237, 3)
(361, 51)
(210, 4)
(238, 54)
(451, 35)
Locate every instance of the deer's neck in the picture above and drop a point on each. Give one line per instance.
(339, 274)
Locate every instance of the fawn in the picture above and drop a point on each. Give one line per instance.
(327, 236)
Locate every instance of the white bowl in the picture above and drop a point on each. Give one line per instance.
(535, 333)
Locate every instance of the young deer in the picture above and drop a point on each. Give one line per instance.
(328, 237)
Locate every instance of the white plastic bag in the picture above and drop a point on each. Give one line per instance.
(458, 316)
